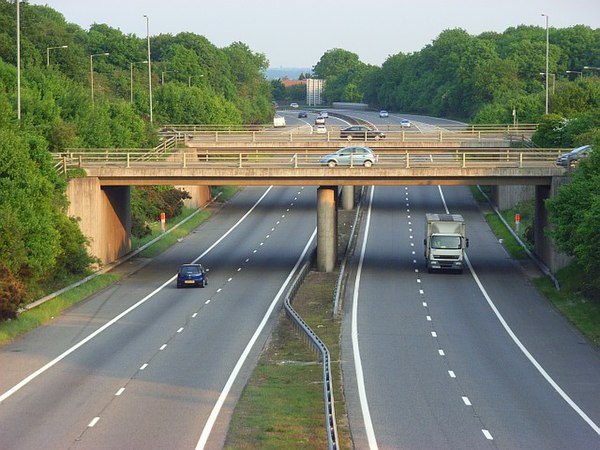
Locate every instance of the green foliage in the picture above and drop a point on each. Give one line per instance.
(574, 214)
(147, 203)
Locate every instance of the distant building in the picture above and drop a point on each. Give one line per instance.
(314, 88)
(287, 83)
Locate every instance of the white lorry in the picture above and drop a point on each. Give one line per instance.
(445, 242)
(278, 121)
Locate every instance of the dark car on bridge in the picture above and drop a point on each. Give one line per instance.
(191, 275)
(361, 132)
(571, 159)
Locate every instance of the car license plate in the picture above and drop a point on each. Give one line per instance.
(190, 282)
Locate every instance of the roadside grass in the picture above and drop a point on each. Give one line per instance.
(282, 404)
(28, 320)
(44, 313)
(582, 312)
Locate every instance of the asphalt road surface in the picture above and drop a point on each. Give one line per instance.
(427, 360)
(145, 365)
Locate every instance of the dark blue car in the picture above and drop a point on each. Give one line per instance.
(191, 275)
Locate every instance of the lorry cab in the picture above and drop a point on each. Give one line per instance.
(445, 242)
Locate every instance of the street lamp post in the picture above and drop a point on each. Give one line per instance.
(547, 42)
(92, 70)
(590, 68)
(162, 75)
(574, 71)
(18, 62)
(149, 65)
(131, 77)
(553, 75)
(190, 79)
(48, 53)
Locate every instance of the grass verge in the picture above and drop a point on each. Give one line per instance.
(282, 404)
(35, 317)
(580, 311)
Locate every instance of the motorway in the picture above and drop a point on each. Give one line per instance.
(445, 361)
(163, 367)
(430, 361)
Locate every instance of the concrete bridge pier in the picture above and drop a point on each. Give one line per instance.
(348, 198)
(105, 216)
(544, 247)
(326, 228)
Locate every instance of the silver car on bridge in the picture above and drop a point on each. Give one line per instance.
(350, 156)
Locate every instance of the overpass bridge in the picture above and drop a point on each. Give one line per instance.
(109, 175)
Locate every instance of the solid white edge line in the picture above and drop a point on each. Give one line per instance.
(232, 377)
(522, 347)
(360, 380)
(111, 322)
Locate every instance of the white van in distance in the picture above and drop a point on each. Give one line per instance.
(278, 121)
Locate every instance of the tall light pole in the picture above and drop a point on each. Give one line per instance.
(149, 65)
(162, 75)
(590, 68)
(18, 62)
(92, 70)
(575, 71)
(131, 76)
(547, 42)
(48, 53)
(190, 79)
(553, 75)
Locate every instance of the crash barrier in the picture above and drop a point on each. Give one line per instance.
(320, 347)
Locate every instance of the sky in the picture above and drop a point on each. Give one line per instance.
(298, 33)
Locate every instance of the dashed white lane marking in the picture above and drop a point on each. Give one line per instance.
(282, 216)
(412, 244)
(120, 391)
(409, 222)
(418, 280)
(521, 346)
(262, 243)
(144, 366)
(413, 252)
(441, 352)
(115, 319)
(467, 401)
(416, 270)
(247, 259)
(234, 373)
(414, 261)
(254, 251)
(287, 210)
(410, 237)
(229, 279)
(452, 374)
(421, 291)
(433, 334)
(273, 229)
(219, 290)
(277, 223)
(195, 314)
(162, 347)
(408, 217)
(268, 236)
(180, 330)
(93, 422)
(206, 303)
(428, 318)
(425, 304)
(239, 269)
(487, 435)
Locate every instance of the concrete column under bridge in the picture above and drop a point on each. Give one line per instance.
(348, 198)
(326, 228)
(544, 248)
(105, 216)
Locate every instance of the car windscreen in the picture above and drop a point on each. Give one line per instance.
(190, 270)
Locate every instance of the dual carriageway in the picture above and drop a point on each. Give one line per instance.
(429, 360)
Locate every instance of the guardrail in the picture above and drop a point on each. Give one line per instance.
(321, 348)
(455, 158)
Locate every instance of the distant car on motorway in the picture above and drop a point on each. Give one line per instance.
(571, 159)
(320, 129)
(361, 132)
(191, 275)
(293, 105)
(383, 113)
(302, 114)
(350, 156)
(320, 120)
(405, 123)
(324, 114)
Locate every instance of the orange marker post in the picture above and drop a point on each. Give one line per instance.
(163, 222)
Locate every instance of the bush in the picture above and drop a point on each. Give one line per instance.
(12, 293)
